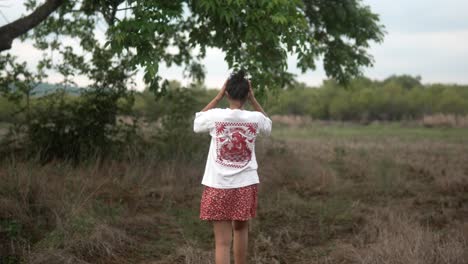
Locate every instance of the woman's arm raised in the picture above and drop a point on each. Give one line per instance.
(254, 101)
(216, 99)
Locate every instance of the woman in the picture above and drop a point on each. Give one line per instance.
(229, 197)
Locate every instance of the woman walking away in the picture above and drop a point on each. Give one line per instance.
(229, 197)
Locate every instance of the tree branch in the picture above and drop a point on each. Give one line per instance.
(19, 27)
(126, 8)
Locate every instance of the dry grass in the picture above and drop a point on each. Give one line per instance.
(391, 236)
(434, 120)
(187, 254)
(95, 214)
(444, 120)
(291, 120)
(322, 200)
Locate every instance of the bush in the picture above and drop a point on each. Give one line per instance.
(7, 110)
(175, 138)
(75, 129)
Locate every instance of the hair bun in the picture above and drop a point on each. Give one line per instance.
(238, 76)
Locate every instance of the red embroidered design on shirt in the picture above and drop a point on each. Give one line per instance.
(234, 143)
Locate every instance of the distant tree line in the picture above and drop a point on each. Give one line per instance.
(395, 98)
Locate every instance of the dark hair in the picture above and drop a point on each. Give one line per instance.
(238, 86)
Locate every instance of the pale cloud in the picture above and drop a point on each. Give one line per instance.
(26, 52)
(217, 68)
(421, 15)
(435, 56)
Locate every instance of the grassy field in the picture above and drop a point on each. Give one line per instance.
(375, 131)
(329, 193)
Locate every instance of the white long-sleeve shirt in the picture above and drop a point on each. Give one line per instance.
(231, 161)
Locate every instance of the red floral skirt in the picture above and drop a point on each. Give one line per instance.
(229, 204)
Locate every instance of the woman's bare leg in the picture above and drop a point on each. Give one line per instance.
(241, 237)
(223, 236)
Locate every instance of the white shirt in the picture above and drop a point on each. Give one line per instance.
(231, 161)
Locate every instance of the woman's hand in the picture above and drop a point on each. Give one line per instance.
(251, 93)
(253, 101)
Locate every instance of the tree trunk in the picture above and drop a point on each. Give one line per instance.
(19, 27)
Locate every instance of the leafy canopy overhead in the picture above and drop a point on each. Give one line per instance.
(257, 35)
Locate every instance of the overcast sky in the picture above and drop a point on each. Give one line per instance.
(424, 37)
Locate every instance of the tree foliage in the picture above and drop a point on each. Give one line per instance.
(257, 35)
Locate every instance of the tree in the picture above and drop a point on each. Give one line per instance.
(406, 81)
(256, 35)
